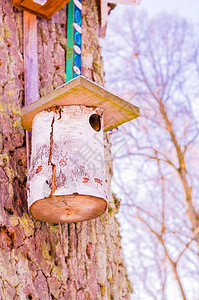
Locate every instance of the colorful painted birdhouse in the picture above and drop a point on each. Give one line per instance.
(67, 179)
(44, 9)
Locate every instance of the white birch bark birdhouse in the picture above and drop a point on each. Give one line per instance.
(67, 180)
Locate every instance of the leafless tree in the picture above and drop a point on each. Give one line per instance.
(154, 63)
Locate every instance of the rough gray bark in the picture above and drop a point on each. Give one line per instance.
(44, 260)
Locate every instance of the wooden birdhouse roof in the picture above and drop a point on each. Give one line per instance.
(81, 91)
(44, 9)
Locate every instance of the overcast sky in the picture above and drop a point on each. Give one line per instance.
(185, 8)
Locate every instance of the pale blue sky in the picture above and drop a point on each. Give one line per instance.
(185, 8)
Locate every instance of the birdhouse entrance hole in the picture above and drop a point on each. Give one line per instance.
(95, 122)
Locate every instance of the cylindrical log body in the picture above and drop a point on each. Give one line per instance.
(67, 181)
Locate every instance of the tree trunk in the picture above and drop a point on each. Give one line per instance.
(41, 260)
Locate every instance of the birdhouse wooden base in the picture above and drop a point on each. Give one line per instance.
(68, 209)
(67, 181)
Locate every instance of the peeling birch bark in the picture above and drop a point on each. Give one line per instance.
(67, 181)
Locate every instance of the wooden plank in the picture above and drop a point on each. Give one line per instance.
(45, 11)
(81, 91)
(30, 68)
(103, 17)
(30, 58)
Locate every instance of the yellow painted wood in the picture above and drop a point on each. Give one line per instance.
(81, 91)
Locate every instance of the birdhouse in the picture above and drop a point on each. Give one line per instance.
(44, 9)
(67, 179)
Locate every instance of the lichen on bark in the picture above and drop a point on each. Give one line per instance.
(44, 260)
